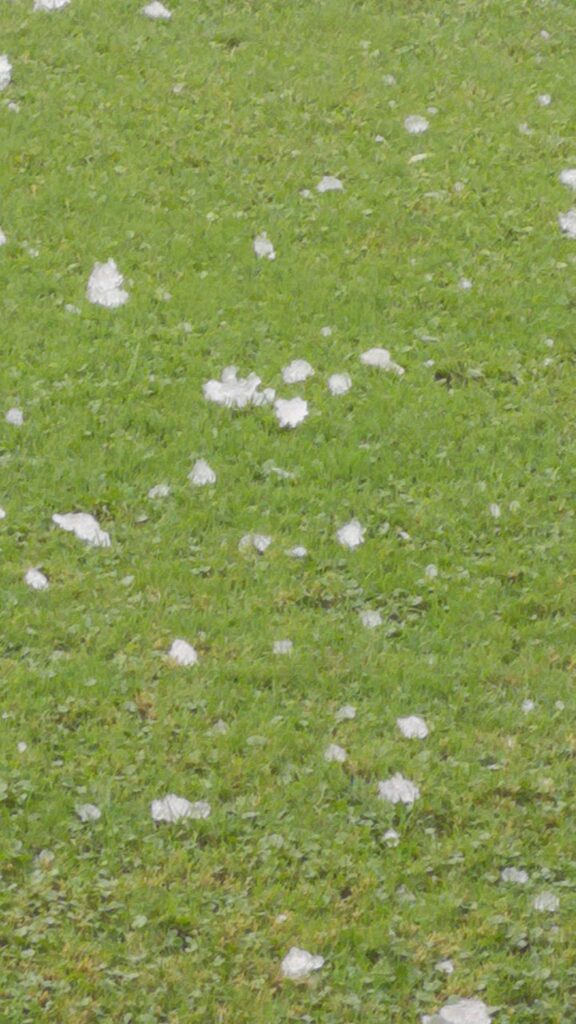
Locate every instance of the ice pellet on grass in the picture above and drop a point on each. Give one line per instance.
(282, 647)
(290, 412)
(461, 1011)
(235, 392)
(339, 383)
(346, 713)
(546, 902)
(398, 790)
(416, 125)
(105, 286)
(568, 177)
(84, 526)
(36, 580)
(5, 71)
(515, 875)
(329, 184)
(88, 812)
(159, 491)
(50, 5)
(299, 963)
(15, 417)
(370, 619)
(382, 360)
(182, 653)
(173, 808)
(296, 371)
(202, 474)
(567, 222)
(263, 247)
(413, 727)
(351, 535)
(259, 541)
(335, 753)
(157, 11)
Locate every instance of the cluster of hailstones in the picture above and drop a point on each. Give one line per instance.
(106, 288)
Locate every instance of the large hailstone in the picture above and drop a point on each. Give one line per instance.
(173, 808)
(85, 527)
(568, 177)
(398, 790)
(202, 474)
(263, 247)
(339, 383)
(335, 753)
(105, 286)
(182, 653)
(298, 964)
(157, 11)
(567, 222)
(351, 535)
(50, 5)
(15, 417)
(381, 358)
(416, 125)
(259, 541)
(413, 727)
(461, 1011)
(235, 392)
(88, 812)
(36, 580)
(296, 371)
(516, 875)
(5, 71)
(329, 184)
(290, 411)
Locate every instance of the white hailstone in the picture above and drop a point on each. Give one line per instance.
(378, 138)
(546, 901)
(290, 411)
(326, 332)
(339, 383)
(465, 284)
(494, 510)
(559, 705)
(282, 647)
(416, 125)
(528, 706)
(346, 713)
(389, 80)
(544, 100)
(568, 177)
(398, 790)
(85, 527)
(518, 877)
(157, 11)
(71, 308)
(159, 491)
(15, 417)
(105, 286)
(2, 513)
(391, 837)
(50, 5)
(258, 541)
(567, 222)
(281, 918)
(417, 158)
(461, 1011)
(381, 358)
(173, 808)
(297, 371)
(5, 71)
(201, 474)
(305, 193)
(351, 535)
(413, 727)
(298, 963)
(329, 184)
(335, 753)
(298, 552)
(370, 619)
(431, 572)
(3, 238)
(36, 580)
(182, 653)
(235, 392)
(21, 747)
(263, 247)
(445, 967)
(88, 812)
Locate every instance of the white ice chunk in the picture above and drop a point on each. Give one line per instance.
(36, 580)
(105, 286)
(398, 790)
(339, 383)
(201, 474)
(85, 527)
(182, 653)
(413, 727)
(329, 184)
(297, 371)
(351, 535)
(381, 358)
(298, 963)
(174, 808)
(290, 411)
(263, 247)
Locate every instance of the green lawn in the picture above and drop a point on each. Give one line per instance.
(168, 147)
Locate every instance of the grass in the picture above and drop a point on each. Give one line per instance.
(139, 924)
